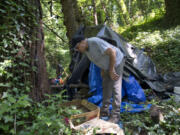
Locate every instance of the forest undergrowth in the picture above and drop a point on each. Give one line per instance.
(162, 44)
(20, 115)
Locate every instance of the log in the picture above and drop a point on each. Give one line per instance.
(80, 85)
(156, 114)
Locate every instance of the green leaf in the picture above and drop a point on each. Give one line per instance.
(5, 85)
(11, 99)
(34, 68)
(4, 108)
(3, 11)
(8, 118)
(48, 123)
(23, 102)
(24, 64)
(5, 94)
(9, 75)
(20, 123)
(5, 127)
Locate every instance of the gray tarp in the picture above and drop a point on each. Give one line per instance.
(137, 63)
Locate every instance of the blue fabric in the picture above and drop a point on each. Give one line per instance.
(95, 80)
(130, 88)
(133, 90)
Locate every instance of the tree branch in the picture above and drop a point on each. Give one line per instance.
(54, 32)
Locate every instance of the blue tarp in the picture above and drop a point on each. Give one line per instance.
(130, 88)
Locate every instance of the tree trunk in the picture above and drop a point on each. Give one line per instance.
(39, 77)
(103, 3)
(70, 20)
(29, 46)
(94, 12)
(172, 15)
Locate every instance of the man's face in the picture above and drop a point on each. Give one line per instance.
(81, 46)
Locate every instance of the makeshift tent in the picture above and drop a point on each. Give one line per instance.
(137, 63)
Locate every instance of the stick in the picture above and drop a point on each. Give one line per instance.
(15, 124)
(81, 85)
(54, 32)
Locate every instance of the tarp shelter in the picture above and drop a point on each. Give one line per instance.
(130, 88)
(137, 63)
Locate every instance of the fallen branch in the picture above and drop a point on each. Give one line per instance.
(81, 85)
(54, 32)
(56, 86)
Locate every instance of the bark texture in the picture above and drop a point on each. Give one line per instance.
(94, 12)
(39, 78)
(70, 19)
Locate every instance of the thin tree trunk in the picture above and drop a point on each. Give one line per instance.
(94, 12)
(78, 14)
(129, 6)
(70, 18)
(39, 77)
(103, 3)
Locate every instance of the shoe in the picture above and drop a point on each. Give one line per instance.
(104, 113)
(114, 119)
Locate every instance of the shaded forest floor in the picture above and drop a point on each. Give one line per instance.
(161, 120)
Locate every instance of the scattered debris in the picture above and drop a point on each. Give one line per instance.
(86, 120)
(156, 114)
(98, 126)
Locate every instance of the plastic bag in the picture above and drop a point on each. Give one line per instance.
(133, 90)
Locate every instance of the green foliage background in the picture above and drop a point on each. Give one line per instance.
(18, 113)
(145, 29)
(56, 42)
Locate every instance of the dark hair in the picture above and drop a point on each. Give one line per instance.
(76, 39)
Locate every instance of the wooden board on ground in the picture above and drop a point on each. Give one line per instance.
(89, 111)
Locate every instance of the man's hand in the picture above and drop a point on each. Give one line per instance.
(112, 60)
(114, 76)
(102, 73)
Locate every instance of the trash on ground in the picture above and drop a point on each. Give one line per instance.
(87, 121)
(99, 126)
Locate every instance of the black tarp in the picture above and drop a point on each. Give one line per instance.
(137, 63)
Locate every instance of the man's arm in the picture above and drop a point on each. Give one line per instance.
(112, 60)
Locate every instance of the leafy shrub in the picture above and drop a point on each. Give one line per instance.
(161, 44)
(24, 117)
(142, 123)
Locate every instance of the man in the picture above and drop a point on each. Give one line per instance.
(110, 60)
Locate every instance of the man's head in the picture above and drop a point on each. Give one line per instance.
(79, 43)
